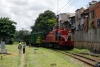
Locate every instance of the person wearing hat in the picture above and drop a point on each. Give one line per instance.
(20, 48)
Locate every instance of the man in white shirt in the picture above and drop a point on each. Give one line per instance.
(20, 48)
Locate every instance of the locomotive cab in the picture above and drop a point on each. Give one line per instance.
(64, 30)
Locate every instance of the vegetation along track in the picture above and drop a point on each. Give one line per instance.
(89, 61)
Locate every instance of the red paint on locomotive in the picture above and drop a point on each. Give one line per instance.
(60, 41)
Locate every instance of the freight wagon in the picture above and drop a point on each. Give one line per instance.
(35, 39)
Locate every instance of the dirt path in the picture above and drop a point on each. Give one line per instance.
(22, 60)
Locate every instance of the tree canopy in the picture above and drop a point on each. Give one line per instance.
(44, 22)
(7, 27)
(22, 33)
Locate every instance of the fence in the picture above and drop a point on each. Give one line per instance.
(89, 39)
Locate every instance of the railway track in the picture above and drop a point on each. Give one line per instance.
(90, 61)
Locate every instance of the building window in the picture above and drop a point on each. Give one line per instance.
(92, 14)
(98, 22)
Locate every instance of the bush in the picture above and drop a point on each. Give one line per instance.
(11, 41)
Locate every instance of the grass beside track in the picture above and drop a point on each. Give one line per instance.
(75, 50)
(41, 58)
(49, 58)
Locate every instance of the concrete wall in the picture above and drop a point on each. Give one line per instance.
(89, 40)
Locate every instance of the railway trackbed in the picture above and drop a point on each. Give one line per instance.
(89, 61)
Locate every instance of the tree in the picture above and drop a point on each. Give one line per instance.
(7, 28)
(44, 22)
(21, 34)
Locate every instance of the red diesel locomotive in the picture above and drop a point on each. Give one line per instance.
(59, 38)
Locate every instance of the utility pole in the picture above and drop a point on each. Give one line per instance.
(57, 6)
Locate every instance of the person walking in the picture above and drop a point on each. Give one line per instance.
(20, 48)
(69, 35)
(24, 48)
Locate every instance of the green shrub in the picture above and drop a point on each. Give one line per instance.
(11, 41)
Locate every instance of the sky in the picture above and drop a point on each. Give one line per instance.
(25, 12)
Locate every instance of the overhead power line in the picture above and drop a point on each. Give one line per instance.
(71, 5)
(64, 6)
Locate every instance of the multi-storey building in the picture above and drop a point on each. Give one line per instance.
(64, 19)
(93, 13)
(78, 17)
